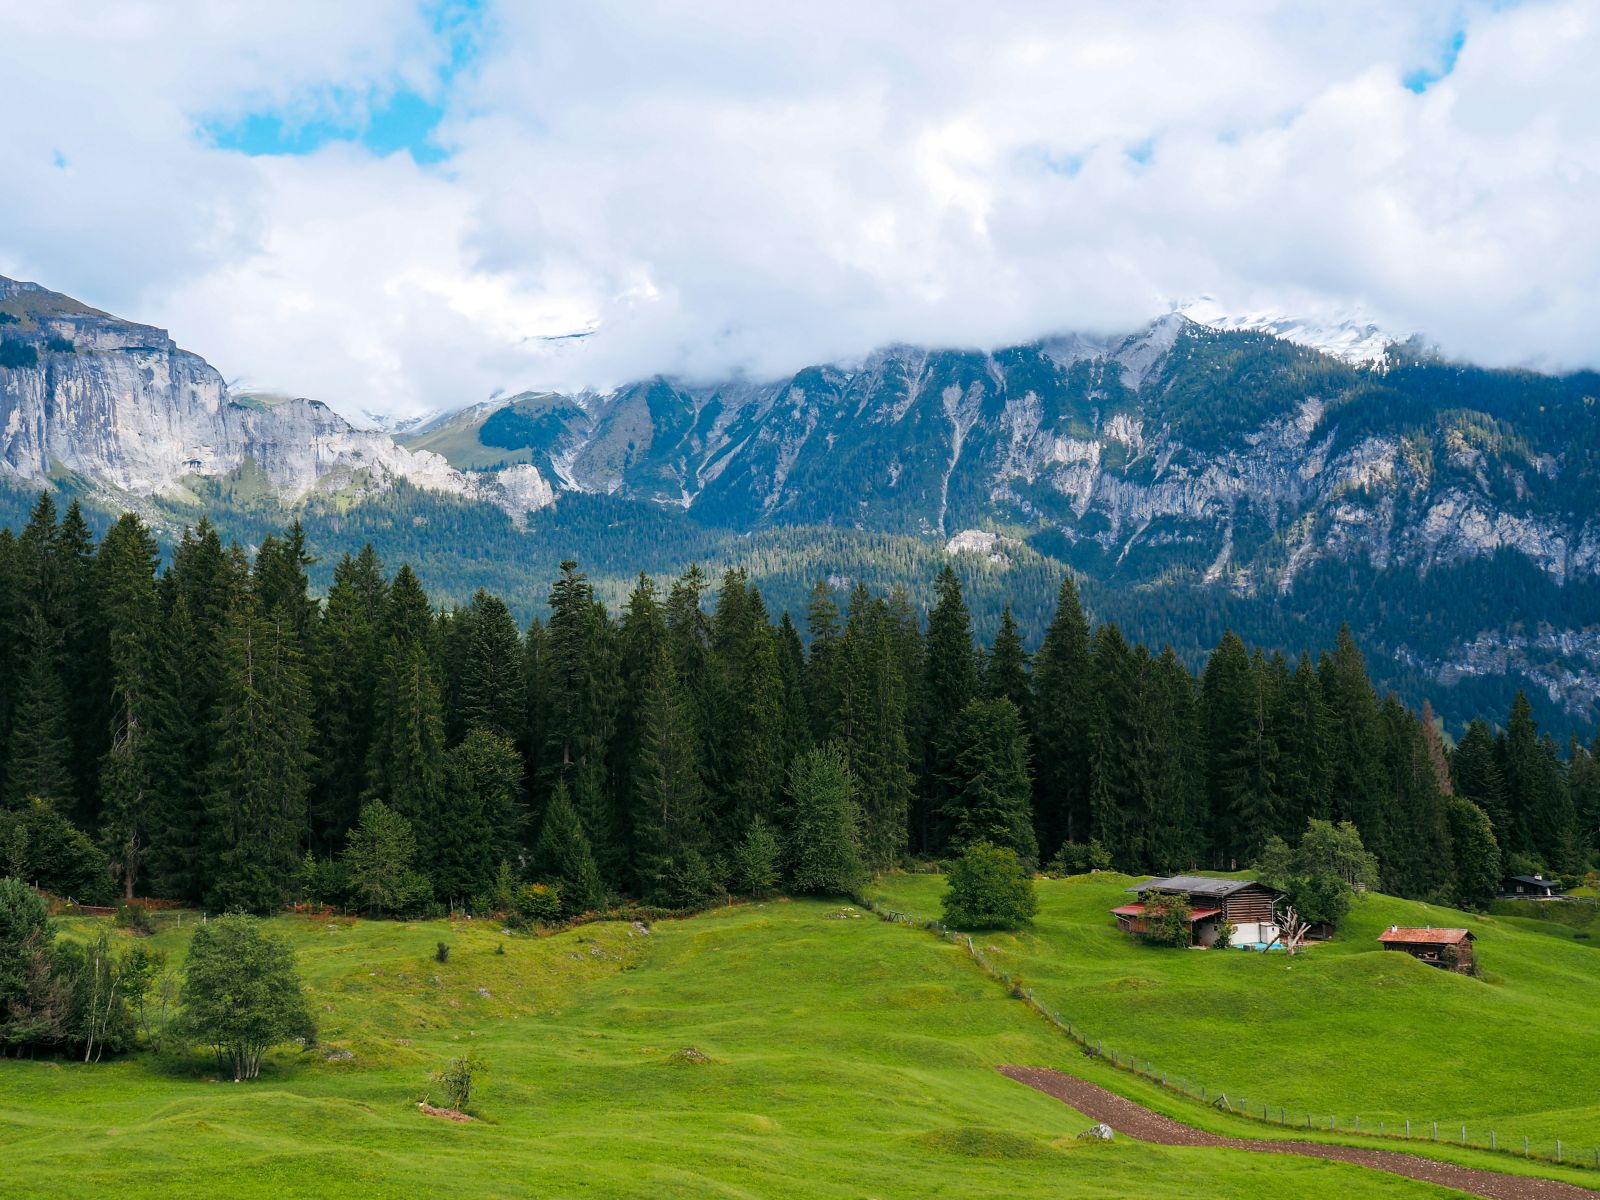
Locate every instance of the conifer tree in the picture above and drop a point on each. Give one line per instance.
(824, 854)
(1357, 787)
(349, 655)
(1006, 672)
(491, 684)
(949, 683)
(582, 689)
(1241, 756)
(40, 746)
(179, 737)
(796, 709)
(1301, 735)
(281, 581)
(1063, 707)
(1418, 860)
(562, 855)
(1473, 853)
(407, 767)
(667, 802)
(481, 819)
(824, 686)
(988, 786)
(125, 570)
(260, 776)
(1475, 773)
(873, 709)
(746, 742)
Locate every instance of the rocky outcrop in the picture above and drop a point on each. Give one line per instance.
(120, 407)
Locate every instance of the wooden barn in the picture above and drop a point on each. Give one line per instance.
(1248, 905)
(1449, 948)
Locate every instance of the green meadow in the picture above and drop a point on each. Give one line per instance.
(849, 1058)
(1340, 1031)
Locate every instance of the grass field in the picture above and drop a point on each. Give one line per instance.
(1343, 1030)
(852, 1058)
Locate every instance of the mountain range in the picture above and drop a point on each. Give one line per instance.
(1208, 469)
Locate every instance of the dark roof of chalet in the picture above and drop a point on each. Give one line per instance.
(1425, 937)
(1199, 885)
(1534, 881)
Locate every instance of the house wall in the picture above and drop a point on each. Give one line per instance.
(1248, 907)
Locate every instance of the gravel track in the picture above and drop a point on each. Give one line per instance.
(1136, 1121)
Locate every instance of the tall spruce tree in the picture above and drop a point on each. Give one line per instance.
(1475, 773)
(490, 688)
(748, 737)
(989, 787)
(260, 775)
(407, 766)
(1241, 755)
(1063, 708)
(562, 855)
(345, 672)
(1005, 673)
(949, 684)
(582, 689)
(125, 578)
(874, 732)
(481, 819)
(667, 802)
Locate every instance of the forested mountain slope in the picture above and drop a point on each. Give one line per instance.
(1197, 477)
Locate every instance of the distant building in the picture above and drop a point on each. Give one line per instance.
(1246, 904)
(1450, 948)
(1530, 887)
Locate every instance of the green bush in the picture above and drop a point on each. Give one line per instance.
(457, 1078)
(1167, 919)
(242, 993)
(41, 846)
(1076, 859)
(537, 903)
(988, 889)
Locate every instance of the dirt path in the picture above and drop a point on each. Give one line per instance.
(1136, 1121)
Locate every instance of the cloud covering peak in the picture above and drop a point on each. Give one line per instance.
(396, 206)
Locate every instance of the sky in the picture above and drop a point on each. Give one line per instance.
(399, 207)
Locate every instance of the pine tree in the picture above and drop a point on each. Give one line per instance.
(562, 855)
(177, 742)
(347, 663)
(260, 776)
(1063, 707)
(40, 748)
(482, 817)
(1301, 735)
(1583, 780)
(281, 582)
(125, 570)
(1006, 673)
(1418, 859)
(796, 708)
(949, 683)
(582, 689)
(380, 862)
(1241, 756)
(1357, 788)
(667, 803)
(1473, 852)
(824, 686)
(988, 786)
(746, 741)
(824, 855)
(407, 767)
(873, 710)
(491, 684)
(1475, 773)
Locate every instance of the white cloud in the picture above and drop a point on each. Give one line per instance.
(723, 186)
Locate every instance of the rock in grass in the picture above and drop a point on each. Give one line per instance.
(1100, 1132)
(689, 1057)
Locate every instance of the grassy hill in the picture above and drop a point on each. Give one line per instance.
(851, 1058)
(1343, 1030)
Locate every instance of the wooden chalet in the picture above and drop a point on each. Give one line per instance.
(1246, 904)
(1530, 887)
(1449, 948)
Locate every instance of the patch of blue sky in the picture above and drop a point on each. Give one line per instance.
(382, 120)
(1421, 79)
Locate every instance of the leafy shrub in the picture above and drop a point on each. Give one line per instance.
(988, 889)
(537, 902)
(1166, 918)
(457, 1078)
(1076, 859)
(1226, 930)
(41, 846)
(242, 993)
(441, 953)
(134, 919)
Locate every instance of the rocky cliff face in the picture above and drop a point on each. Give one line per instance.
(120, 407)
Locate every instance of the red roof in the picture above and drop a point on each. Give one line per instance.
(1424, 937)
(1137, 910)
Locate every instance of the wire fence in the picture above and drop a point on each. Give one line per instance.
(1556, 1151)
